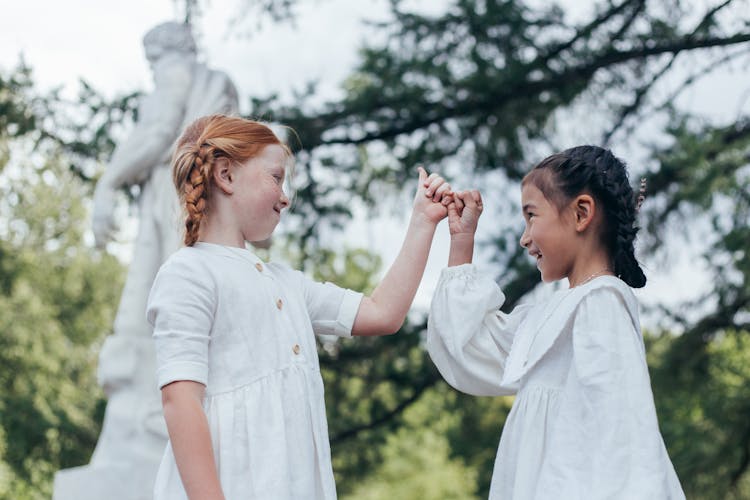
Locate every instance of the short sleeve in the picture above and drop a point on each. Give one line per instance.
(468, 337)
(181, 309)
(606, 441)
(332, 309)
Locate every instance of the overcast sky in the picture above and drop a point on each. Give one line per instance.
(100, 41)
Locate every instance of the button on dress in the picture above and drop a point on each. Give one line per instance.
(583, 423)
(246, 330)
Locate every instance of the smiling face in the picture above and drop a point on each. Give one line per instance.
(550, 234)
(258, 196)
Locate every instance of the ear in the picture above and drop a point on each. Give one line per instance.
(223, 175)
(584, 208)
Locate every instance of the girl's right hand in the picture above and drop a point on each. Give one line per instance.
(464, 212)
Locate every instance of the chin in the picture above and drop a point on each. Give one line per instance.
(549, 278)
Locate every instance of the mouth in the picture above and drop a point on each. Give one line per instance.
(536, 256)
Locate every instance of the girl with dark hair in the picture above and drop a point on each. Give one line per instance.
(583, 424)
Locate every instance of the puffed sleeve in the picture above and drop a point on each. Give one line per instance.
(468, 337)
(332, 309)
(181, 308)
(606, 441)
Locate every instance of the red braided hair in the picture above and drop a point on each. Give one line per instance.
(202, 142)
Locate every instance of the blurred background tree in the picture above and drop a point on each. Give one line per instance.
(57, 298)
(480, 92)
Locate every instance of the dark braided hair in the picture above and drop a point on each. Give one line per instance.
(595, 170)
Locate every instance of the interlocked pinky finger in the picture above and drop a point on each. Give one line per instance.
(477, 199)
(441, 191)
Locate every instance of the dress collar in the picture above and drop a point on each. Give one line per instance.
(228, 251)
(544, 323)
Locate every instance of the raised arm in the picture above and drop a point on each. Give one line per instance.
(384, 311)
(463, 216)
(468, 337)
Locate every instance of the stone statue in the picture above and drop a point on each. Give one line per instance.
(134, 435)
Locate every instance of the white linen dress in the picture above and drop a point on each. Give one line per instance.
(583, 424)
(245, 329)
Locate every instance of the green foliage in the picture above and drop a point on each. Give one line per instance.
(57, 301)
(703, 415)
(416, 459)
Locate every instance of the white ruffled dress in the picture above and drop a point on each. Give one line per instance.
(583, 424)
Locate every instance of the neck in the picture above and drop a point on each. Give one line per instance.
(589, 268)
(214, 231)
(601, 272)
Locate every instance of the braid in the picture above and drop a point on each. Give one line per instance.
(620, 210)
(597, 170)
(196, 192)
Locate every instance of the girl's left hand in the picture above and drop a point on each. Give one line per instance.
(433, 196)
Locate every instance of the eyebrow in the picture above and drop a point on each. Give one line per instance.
(527, 207)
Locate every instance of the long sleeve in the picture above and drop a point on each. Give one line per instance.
(606, 441)
(468, 338)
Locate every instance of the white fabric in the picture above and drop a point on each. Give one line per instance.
(217, 321)
(583, 424)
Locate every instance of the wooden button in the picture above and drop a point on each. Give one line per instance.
(259, 266)
(296, 349)
(279, 303)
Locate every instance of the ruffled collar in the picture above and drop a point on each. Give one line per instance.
(545, 322)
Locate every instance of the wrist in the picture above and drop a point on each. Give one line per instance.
(461, 249)
(462, 237)
(420, 220)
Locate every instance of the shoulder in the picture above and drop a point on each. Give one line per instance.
(605, 296)
(187, 264)
(298, 281)
(606, 315)
(186, 257)
(607, 339)
(285, 273)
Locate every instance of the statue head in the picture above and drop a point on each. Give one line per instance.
(168, 37)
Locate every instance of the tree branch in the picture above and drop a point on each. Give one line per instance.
(523, 88)
(432, 379)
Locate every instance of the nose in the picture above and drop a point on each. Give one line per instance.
(525, 240)
(284, 200)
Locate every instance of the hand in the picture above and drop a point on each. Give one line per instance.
(103, 214)
(464, 212)
(433, 196)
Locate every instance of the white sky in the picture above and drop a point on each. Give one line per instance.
(100, 41)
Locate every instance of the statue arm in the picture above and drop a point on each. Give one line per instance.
(160, 116)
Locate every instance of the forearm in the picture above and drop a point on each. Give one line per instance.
(461, 249)
(384, 311)
(191, 444)
(134, 159)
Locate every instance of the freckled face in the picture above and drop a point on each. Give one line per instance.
(259, 196)
(549, 235)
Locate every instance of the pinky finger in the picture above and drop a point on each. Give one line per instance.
(477, 197)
